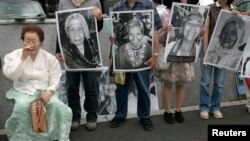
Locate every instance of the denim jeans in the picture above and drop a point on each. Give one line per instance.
(213, 104)
(141, 80)
(91, 87)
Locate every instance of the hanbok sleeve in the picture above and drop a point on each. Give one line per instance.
(13, 65)
(55, 74)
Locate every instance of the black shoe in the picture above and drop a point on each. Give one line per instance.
(168, 117)
(116, 121)
(147, 124)
(179, 117)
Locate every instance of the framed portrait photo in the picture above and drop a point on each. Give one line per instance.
(78, 39)
(184, 41)
(133, 31)
(228, 41)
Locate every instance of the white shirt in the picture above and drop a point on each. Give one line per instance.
(44, 73)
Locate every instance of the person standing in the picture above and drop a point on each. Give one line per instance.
(141, 78)
(177, 73)
(90, 78)
(206, 105)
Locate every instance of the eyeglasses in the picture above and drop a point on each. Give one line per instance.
(31, 41)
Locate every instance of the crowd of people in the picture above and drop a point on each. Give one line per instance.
(36, 73)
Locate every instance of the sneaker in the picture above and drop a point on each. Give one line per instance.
(204, 115)
(74, 125)
(147, 124)
(217, 114)
(91, 126)
(179, 117)
(116, 121)
(168, 117)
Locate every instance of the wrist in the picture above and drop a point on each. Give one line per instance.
(156, 54)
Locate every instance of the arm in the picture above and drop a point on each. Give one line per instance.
(58, 51)
(54, 78)
(13, 65)
(97, 11)
(205, 37)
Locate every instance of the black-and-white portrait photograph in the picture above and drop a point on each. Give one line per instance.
(245, 67)
(78, 39)
(228, 41)
(133, 32)
(184, 41)
(106, 99)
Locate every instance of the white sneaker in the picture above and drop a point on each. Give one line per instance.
(204, 115)
(68, 140)
(217, 114)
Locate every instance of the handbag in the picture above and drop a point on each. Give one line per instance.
(38, 116)
(115, 77)
(160, 64)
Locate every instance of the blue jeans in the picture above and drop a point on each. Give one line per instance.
(141, 80)
(213, 104)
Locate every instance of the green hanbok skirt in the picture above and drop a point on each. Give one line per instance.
(19, 125)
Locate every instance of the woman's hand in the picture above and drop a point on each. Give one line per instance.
(46, 95)
(112, 39)
(152, 62)
(97, 12)
(167, 29)
(27, 51)
(59, 56)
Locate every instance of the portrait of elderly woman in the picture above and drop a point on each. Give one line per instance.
(136, 49)
(80, 49)
(226, 47)
(184, 40)
(187, 43)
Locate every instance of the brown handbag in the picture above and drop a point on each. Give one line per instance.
(38, 116)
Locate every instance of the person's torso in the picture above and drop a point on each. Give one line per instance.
(214, 12)
(68, 4)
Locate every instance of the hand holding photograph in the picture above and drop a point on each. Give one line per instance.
(228, 41)
(183, 42)
(134, 35)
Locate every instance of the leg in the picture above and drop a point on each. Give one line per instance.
(180, 94)
(206, 74)
(91, 86)
(247, 95)
(218, 89)
(73, 83)
(166, 92)
(143, 106)
(60, 128)
(142, 83)
(121, 95)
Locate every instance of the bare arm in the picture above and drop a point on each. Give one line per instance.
(205, 37)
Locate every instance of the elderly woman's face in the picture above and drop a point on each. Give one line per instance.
(229, 35)
(135, 36)
(32, 39)
(192, 28)
(76, 32)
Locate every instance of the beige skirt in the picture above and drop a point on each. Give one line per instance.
(177, 72)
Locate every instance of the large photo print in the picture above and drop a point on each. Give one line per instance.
(184, 41)
(228, 41)
(78, 39)
(245, 67)
(133, 32)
